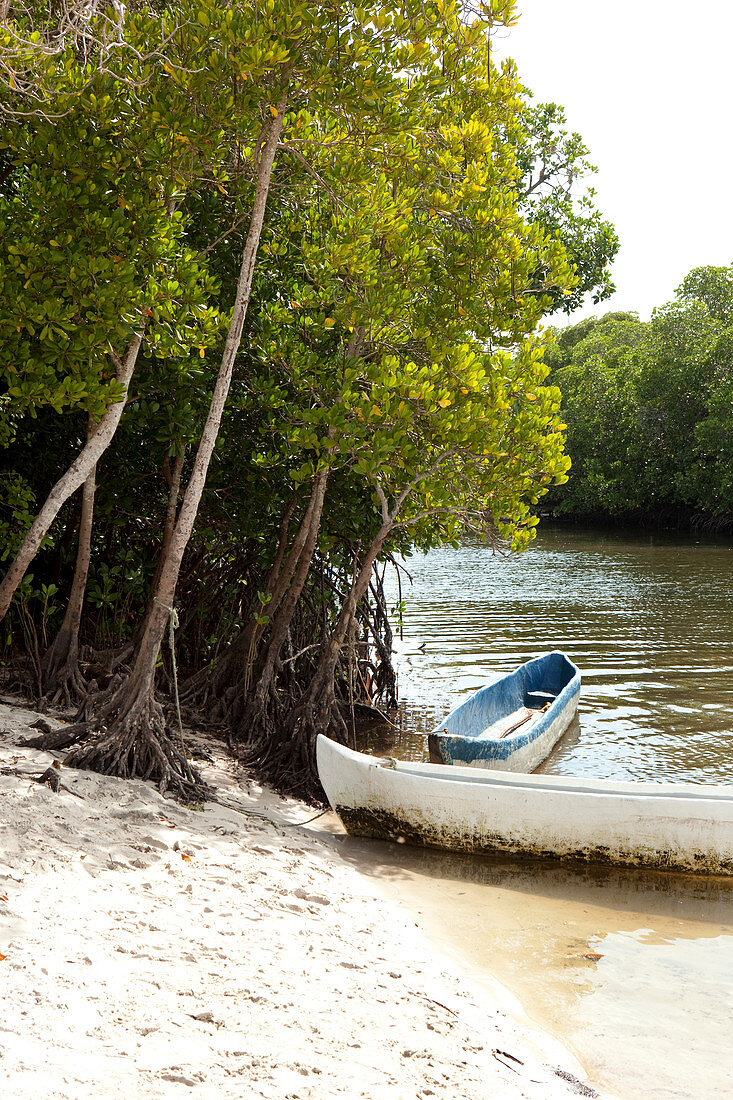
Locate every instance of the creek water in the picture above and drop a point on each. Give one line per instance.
(631, 969)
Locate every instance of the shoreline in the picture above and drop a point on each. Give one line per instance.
(168, 951)
(410, 896)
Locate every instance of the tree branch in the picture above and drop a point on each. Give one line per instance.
(311, 170)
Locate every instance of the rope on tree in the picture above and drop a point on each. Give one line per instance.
(173, 624)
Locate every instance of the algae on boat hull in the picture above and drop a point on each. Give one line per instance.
(383, 825)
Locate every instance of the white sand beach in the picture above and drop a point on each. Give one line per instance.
(150, 950)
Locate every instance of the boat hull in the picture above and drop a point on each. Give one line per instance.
(681, 827)
(465, 740)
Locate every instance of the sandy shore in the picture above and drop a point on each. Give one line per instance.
(150, 950)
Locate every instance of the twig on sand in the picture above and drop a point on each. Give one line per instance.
(500, 1055)
(264, 817)
(439, 1004)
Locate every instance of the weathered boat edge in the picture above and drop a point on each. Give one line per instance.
(382, 825)
(664, 827)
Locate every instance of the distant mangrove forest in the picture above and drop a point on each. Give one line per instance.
(649, 411)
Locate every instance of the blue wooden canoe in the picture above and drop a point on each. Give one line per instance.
(512, 724)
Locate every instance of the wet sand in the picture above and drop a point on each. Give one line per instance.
(632, 970)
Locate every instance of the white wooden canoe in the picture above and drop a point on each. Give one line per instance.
(673, 826)
(513, 723)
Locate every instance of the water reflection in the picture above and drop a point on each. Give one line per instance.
(665, 893)
(647, 620)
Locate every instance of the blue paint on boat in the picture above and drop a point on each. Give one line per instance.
(465, 737)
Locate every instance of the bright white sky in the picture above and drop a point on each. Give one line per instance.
(649, 86)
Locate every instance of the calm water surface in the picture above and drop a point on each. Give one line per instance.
(649, 623)
(648, 620)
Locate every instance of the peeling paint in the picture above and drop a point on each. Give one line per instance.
(468, 736)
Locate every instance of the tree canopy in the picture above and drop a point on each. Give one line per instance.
(272, 294)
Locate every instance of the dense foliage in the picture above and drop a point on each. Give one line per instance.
(649, 409)
(359, 373)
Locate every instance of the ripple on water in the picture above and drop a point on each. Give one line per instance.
(647, 620)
